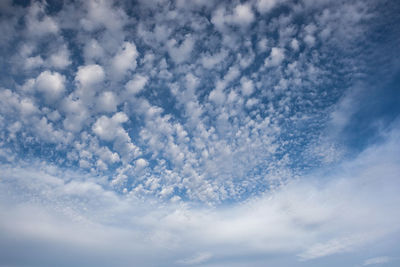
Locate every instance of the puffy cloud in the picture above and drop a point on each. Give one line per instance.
(124, 60)
(219, 18)
(294, 44)
(38, 23)
(264, 6)
(217, 96)
(60, 59)
(100, 13)
(243, 14)
(137, 84)
(275, 58)
(33, 62)
(90, 75)
(110, 128)
(27, 107)
(90, 80)
(76, 114)
(209, 61)
(45, 130)
(93, 51)
(180, 52)
(107, 101)
(247, 86)
(141, 163)
(12, 103)
(51, 85)
(309, 40)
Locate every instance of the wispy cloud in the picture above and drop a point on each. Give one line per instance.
(377, 260)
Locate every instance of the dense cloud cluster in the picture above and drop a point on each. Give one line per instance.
(201, 100)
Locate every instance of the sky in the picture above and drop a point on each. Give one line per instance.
(199, 133)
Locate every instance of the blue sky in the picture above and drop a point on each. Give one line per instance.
(199, 133)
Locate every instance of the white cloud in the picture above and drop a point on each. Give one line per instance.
(309, 40)
(93, 51)
(54, 115)
(209, 61)
(294, 44)
(76, 114)
(33, 62)
(12, 102)
(377, 260)
(217, 96)
(219, 18)
(251, 102)
(60, 59)
(137, 84)
(181, 52)
(27, 107)
(46, 131)
(102, 13)
(275, 58)
(110, 128)
(264, 6)
(107, 101)
(141, 163)
(90, 75)
(247, 86)
(243, 14)
(196, 259)
(51, 85)
(38, 23)
(124, 60)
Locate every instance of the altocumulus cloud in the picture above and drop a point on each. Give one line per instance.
(201, 133)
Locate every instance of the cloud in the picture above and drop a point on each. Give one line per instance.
(247, 86)
(60, 59)
(264, 6)
(110, 128)
(209, 112)
(93, 51)
(377, 260)
(243, 14)
(124, 60)
(51, 85)
(310, 217)
(38, 23)
(90, 75)
(180, 52)
(137, 84)
(197, 259)
(141, 163)
(76, 114)
(13, 104)
(107, 102)
(204, 132)
(275, 58)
